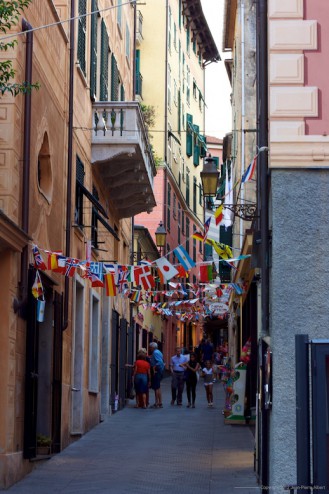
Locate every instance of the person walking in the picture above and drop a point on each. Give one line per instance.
(177, 369)
(157, 369)
(142, 379)
(191, 379)
(207, 374)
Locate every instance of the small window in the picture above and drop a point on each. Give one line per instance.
(45, 175)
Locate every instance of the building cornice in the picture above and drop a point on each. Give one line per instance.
(192, 9)
(11, 235)
(300, 152)
(230, 10)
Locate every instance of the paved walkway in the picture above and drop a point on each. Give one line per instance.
(174, 450)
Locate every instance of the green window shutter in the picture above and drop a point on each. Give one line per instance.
(194, 194)
(114, 79)
(203, 147)
(122, 94)
(188, 235)
(93, 50)
(196, 148)
(179, 113)
(82, 9)
(208, 251)
(168, 207)
(104, 75)
(188, 189)
(188, 39)
(180, 13)
(189, 134)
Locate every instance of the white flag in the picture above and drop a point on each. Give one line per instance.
(167, 269)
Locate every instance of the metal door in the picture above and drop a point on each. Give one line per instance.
(114, 357)
(320, 413)
(122, 362)
(57, 373)
(31, 373)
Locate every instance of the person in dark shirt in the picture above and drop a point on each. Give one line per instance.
(191, 379)
(207, 351)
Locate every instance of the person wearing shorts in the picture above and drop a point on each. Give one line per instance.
(207, 374)
(157, 368)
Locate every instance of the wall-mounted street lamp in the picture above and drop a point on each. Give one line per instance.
(160, 236)
(209, 177)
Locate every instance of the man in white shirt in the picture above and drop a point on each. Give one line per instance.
(177, 369)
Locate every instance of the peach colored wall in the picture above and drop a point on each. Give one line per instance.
(315, 61)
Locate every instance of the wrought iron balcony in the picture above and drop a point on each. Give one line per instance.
(122, 155)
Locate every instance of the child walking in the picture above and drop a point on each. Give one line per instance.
(207, 374)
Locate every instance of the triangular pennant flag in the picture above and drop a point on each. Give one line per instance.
(166, 268)
(37, 288)
(249, 173)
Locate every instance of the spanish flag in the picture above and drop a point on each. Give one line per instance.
(110, 287)
(219, 214)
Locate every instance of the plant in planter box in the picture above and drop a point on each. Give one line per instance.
(43, 444)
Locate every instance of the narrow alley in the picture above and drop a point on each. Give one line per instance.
(175, 450)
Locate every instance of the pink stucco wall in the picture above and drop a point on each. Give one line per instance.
(316, 63)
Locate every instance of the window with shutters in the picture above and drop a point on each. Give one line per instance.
(94, 219)
(194, 194)
(104, 68)
(200, 194)
(114, 79)
(183, 73)
(82, 24)
(179, 224)
(168, 206)
(119, 14)
(189, 134)
(179, 112)
(188, 89)
(188, 235)
(80, 177)
(194, 89)
(169, 29)
(194, 245)
(175, 36)
(93, 50)
(194, 45)
(188, 41)
(174, 208)
(196, 146)
(188, 187)
(180, 14)
(208, 253)
(128, 44)
(169, 87)
(183, 222)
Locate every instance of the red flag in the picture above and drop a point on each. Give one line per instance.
(182, 273)
(205, 273)
(38, 261)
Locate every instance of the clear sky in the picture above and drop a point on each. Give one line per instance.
(218, 88)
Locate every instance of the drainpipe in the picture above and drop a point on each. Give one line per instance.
(263, 164)
(20, 306)
(263, 211)
(243, 112)
(165, 178)
(69, 164)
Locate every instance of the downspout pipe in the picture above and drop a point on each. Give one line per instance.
(69, 163)
(165, 177)
(22, 304)
(263, 164)
(243, 109)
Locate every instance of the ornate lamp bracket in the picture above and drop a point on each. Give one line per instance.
(246, 212)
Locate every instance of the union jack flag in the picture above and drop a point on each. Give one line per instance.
(123, 280)
(38, 261)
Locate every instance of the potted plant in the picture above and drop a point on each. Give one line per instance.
(43, 444)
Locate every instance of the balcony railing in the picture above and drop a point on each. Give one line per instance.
(122, 154)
